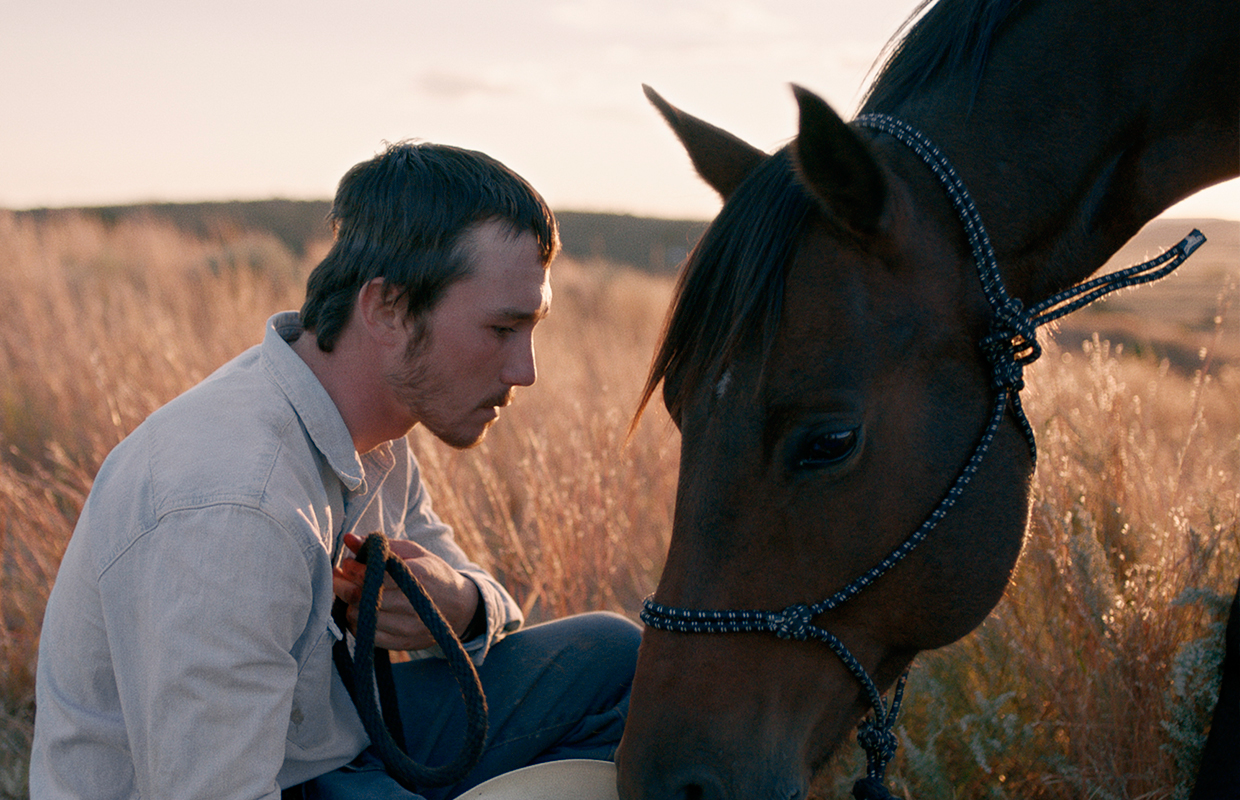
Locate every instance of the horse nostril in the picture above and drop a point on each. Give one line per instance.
(700, 787)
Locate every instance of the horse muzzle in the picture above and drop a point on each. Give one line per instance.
(650, 777)
(717, 718)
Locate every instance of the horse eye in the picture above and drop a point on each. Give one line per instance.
(821, 450)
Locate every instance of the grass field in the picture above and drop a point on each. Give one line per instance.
(1095, 676)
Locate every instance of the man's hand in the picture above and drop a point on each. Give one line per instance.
(398, 626)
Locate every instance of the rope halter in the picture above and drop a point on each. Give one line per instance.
(1009, 346)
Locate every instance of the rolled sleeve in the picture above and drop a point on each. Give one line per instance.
(423, 525)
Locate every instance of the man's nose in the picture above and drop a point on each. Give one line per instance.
(521, 369)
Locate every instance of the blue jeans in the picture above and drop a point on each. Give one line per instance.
(554, 691)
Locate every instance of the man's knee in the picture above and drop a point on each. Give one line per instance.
(609, 627)
(597, 643)
(608, 635)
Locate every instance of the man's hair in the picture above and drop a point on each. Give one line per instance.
(401, 216)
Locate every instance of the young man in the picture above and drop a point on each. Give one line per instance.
(186, 649)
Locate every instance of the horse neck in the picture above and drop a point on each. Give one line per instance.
(1085, 126)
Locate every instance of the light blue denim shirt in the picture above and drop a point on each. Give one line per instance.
(186, 648)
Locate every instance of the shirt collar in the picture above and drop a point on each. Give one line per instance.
(313, 405)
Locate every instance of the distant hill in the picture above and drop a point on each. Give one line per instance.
(1191, 312)
(1178, 318)
(647, 243)
(296, 223)
(658, 245)
(642, 242)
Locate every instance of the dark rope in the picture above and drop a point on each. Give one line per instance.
(1012, 342)
(359, 674)
(1009, 347)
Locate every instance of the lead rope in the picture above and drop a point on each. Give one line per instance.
(1009, 346)
(359, 674)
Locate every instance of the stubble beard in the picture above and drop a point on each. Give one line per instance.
(416, 392)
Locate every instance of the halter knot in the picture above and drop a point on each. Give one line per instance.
(793, 622)
(1011, 344)
(879, 743)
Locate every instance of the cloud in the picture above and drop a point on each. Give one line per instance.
(448, 85)
(656, 24)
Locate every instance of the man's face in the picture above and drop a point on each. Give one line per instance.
(478, 344)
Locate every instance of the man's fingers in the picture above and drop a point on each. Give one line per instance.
(396, 631)
(406, 549)
(346, 589)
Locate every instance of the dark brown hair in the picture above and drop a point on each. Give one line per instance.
(400, 216)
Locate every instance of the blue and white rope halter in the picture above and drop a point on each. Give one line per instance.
(1010, 345)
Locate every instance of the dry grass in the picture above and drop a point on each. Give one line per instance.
(1093, 678)
(1096, 675)
(105, 324)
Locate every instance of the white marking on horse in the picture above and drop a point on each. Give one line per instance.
(724, 382)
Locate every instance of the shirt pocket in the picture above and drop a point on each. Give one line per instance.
(323, 721)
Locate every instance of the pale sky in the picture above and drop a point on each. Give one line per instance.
(160, 100)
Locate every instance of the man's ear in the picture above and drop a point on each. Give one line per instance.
(380, 313)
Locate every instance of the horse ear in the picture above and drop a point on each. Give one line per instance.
(837, 166)
(723, 160)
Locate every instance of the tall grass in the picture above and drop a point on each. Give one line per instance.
(101, 325)
(1095, 677)
(1097, 674)
(104, 324)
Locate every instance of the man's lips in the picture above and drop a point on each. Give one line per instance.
(497, 401)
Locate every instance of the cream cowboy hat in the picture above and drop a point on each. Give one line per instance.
(573, 779)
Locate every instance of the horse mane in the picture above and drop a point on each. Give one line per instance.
(952, 36)
(731, 288)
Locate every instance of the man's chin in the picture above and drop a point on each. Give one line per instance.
(462, 439)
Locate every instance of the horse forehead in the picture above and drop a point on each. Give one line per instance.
(850, 314)
(915, 262)
(846, 309)
(840, 342)
(839, 297)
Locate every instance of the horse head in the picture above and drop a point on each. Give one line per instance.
(821, 362)
(843, 359)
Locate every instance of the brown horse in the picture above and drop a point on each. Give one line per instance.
(846, 386)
